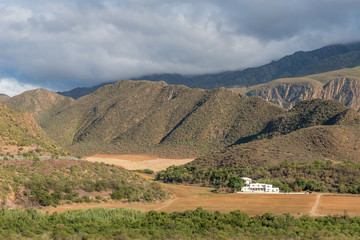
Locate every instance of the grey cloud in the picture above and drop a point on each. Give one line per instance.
(75, 43)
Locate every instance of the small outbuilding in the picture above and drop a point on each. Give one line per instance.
(247, 180)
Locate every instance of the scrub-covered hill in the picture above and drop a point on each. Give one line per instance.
(312, 130)
(156, 118)
(34, 183)
(41, 103)
(19, 134)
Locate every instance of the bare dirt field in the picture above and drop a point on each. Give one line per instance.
(253, 204)
(135, 162)
(339, 204)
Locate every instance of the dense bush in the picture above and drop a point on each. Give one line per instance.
(318, 176)
(101, 223)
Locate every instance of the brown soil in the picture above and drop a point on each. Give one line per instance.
(135, 162)
(339, 204)
(252, 204)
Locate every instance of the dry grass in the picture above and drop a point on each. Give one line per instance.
(135, 162)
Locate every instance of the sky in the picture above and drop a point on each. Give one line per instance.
(60, 45)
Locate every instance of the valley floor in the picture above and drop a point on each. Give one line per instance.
(135, 162)
(191, 197)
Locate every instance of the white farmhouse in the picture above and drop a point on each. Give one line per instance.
(258, 187)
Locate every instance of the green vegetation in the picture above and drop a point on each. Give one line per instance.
(318, 176)
(303, 115)
(146, 171)
(157, 119)
(19, 130)
(313, 130)
(199, 224)
(52, 182)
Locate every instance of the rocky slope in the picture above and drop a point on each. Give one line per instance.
(343, 86)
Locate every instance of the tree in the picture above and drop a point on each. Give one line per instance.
(236, 182)
(300, 182)
(286, 188)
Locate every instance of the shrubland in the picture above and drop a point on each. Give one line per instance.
(101, 223)
(51, 182)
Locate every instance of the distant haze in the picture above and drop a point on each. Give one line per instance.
(64, 44)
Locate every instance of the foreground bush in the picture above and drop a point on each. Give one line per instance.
(101, 223)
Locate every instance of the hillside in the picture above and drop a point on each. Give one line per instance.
(342, 85)
(19, 134)
(3, 98)
(313, 130)
(82, 91)
(29, 183)
(40, 103)
(156, 118)
(301, 63)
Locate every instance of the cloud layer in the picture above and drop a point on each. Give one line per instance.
(11, 87)
(62, 44)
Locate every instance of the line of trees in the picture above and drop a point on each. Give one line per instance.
(317, 176)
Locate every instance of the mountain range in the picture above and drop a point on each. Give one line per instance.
(224, 127)
(301, 63)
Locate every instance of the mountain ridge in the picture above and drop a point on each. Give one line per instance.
(300, 63)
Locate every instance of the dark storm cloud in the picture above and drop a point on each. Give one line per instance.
(62, 44)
